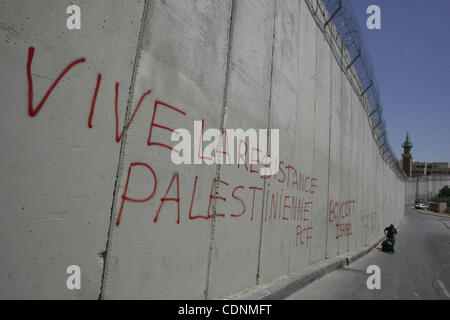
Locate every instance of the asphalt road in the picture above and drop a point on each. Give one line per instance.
(419, 268)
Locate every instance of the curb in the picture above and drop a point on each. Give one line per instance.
(428, 213)
(283, 287)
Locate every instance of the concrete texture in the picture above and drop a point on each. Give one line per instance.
(424, 188)
(58, 175)
(84, 186)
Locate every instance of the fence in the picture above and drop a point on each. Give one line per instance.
(337, 21)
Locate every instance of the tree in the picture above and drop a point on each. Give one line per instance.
(444, 192)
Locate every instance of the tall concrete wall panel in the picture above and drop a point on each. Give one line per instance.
(346, 155)
(236, 241)
(335, 151)
(86, 164)
(57, 174)
(279, 255)
(321, 155)
(305, 119)
(163, 247)
(424, 188)
(356, 168)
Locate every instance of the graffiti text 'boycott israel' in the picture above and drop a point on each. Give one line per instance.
(221, 150)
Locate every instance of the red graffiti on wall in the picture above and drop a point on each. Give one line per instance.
(283, 207)
(288, 193)
(94, 100)
(339, 213)
(157, 125)
(125, 127)
(165, 198)
(303, 235)
(33, 112)
(125, 196)
(369, 221)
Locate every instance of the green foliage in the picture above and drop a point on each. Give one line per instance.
(444, 192)
(442, 196)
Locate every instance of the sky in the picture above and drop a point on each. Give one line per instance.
(411, 60)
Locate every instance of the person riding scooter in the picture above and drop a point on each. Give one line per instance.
(390, 233)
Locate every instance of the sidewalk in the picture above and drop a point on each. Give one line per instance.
(288, 284)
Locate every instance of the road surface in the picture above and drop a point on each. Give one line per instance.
(419, 268)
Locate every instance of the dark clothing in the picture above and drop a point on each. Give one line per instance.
(390, 233)
(387, 245)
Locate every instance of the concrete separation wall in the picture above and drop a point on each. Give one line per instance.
(424, 188)
(286, 285)
(86, 170)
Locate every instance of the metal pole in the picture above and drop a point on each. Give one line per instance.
(370, 85)
(375, 110)
(354, 60)
(379, 137)
(333, 15)
(381, 121)
(390, 156)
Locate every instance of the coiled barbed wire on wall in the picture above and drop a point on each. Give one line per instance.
(356, 59)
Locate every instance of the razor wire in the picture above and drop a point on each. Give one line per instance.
(339, 13)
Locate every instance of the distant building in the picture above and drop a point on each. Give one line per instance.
(430, 169)
(419, 169)
(407, 159)
(439, 168)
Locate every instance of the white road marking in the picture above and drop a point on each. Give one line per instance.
(443, 288)
(417, 296)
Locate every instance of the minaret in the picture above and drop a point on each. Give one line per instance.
(407, 156)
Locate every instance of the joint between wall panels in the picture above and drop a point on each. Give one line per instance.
(329, 155)
(218, 166)
(258, 270)
(105, 253)
(314, 136)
